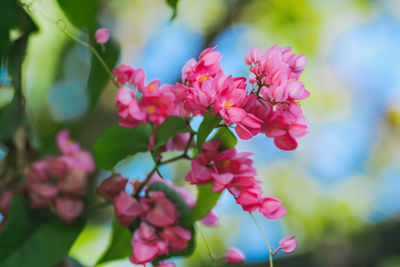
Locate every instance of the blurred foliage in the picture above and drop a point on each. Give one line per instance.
(293, 22)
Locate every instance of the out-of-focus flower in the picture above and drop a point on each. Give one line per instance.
(234, 255)
(102, 35)
(288, 244)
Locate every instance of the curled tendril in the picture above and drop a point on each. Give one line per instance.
(61, 25)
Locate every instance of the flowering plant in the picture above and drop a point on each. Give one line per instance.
(47, 197)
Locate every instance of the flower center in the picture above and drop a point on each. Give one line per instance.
(204, 77)
(152, 87)
(224, 163)
(228, 104)
(151, 109)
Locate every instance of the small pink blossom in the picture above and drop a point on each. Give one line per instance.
(102, 35)
(288, 244)
(211, 219)
(234, 255)
(112, 186)
(127, 208)
(176, 236)
(123, 73)
(68, 209)
(147, 246)
(272, 208)
(65, 144)
(196, 72)
(162, 211)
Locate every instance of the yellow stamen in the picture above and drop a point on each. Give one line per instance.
(204, 77)
(152, 87)
(151, 109)
(228, 104)
(225, 163)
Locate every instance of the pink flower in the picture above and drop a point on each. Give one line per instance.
(248, 127)
(127, 208)
(147, 246)
(75, 182)
(68, 209)
(129, 109)
(65, 144)
(272, 208)
(211, 219)
(102, 35)
(166, 264)
(123, 73)
(162, 211)
(196, 72)
(112, 186)
(178, 142)
(288, 244)
(234, 255)
(250, 198)
(176, 236)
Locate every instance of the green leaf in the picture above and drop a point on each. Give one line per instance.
(116, 143)
(98, 76)
(206, 200)
(28, 241)
(207, 125)
(227, 138)
(81, 13)
(172, 195)
(169, 128)
(173, 4)
(9, 120)
(120, 246)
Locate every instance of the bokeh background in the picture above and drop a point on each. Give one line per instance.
(341, 186)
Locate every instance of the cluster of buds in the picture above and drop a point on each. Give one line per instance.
(154, 217)
(59, 182)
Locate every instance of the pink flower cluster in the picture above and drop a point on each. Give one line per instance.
(230, 170)
(59, 182)
(156, 102)
(159, 232)
(271, 107)
(274, 76)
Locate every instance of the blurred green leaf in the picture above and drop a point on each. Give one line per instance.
(81, 13)
(207, 125)
(169, 128)
(120, 246)
(98, 76)
(227, 138)
(29, 241)
(173, 4)
(8, 120)
(206, 200)
(116, 143)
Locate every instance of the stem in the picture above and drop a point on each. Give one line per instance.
(183, 156)
(206, 244)
(271, 264)
(136, 195)
(62, 26)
